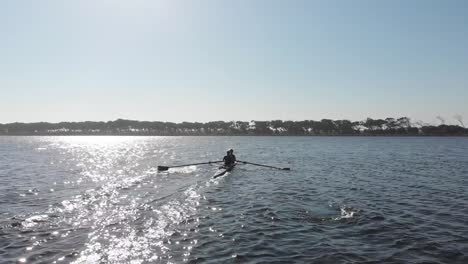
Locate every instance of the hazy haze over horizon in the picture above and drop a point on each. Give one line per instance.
(241, 60)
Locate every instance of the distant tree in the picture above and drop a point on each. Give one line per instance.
(404, 122)
(262, 128)
(344, 127)
(441, 119)
(327, 127)
(294, 128)
(459, 118)
(242, 126)
(278, 126)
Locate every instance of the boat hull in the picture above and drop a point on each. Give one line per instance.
(224, 170)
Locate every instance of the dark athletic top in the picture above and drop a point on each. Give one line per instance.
(228, 160)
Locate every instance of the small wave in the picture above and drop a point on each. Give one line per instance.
(184, 170)
(346, 213)
(151, 171)
(31, 221)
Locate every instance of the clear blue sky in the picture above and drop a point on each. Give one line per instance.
(232, 60)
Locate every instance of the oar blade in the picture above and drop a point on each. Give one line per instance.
(163, 168)
(286, 168)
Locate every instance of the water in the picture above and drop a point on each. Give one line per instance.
(346, 200)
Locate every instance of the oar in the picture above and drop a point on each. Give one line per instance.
(165, 168)
(261, 165)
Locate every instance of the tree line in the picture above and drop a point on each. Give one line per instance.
(325, 127)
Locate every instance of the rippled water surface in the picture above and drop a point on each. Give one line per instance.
(346, 200)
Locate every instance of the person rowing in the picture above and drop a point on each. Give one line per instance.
(229, 164)
(229, 159)
(233, 156)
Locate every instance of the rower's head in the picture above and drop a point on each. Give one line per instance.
(231, 151)
(228, 152)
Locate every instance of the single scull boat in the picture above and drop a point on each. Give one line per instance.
(224, 169)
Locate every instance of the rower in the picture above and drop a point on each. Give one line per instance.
(228, 160)
(231, 151)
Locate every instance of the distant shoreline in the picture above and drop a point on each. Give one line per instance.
(139, 135)
(389, 127)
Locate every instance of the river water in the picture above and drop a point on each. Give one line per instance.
(345, 200)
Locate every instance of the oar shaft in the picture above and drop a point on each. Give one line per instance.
(165, 168)
(193, 164)
(261, 165)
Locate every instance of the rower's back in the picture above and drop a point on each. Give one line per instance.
(228, 160)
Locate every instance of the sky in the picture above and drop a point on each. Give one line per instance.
(202, 60)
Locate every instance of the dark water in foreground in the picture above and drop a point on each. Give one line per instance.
(346, 200)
